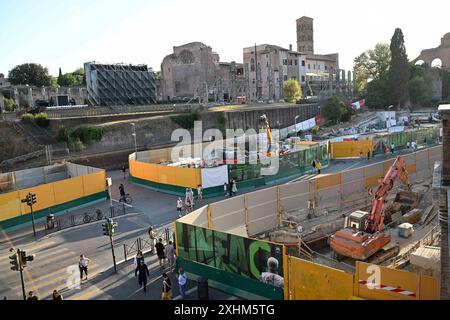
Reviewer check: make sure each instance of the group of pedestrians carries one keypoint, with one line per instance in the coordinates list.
(189, 200)
(230, 188)
(164, 253)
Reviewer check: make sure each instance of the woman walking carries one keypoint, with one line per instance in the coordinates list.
(166, 288)
(142, 273)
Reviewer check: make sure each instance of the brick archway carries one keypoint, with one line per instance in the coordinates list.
(442, 52)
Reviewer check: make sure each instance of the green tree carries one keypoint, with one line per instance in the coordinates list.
(398, 76)
(29, 73)
(371, 64)
(377, 93)
(75, 78)
(10, 104)
(334, 109)
(292, 90)
(420, 88)
(158, 75)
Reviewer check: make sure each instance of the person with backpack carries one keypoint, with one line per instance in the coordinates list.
(161, 253)
(166, 288)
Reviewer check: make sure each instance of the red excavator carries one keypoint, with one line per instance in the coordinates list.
(363, 235)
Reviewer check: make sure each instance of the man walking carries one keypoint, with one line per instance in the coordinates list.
(179, 206)
(124, 170)
(160, 252)
(83, 266)
(170, 255)
(313, 164)
(200, 193)
(182, 280)
(392, 149)
(142, 273)
(122, 191)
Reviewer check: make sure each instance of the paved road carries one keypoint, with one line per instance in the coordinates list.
(56, 252)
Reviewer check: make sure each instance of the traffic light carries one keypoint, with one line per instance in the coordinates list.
(24, 258)
(33, 198)
(14, 262)
(105, 228)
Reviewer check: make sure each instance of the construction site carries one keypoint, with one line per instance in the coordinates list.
(328, 232)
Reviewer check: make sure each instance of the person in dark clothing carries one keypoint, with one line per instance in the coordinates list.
(32, 296)
(122, 191)
(166, 288)
(124, 170)
(56, 295)
(313, 164)
(160, 252)
(142, 273)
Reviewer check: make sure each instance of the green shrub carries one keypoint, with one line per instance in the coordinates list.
(41, 119)
(10, 104)
(76, 145)
(186, 121)
(63, 135)
(315, 130)
(87, 134)
(28, 117)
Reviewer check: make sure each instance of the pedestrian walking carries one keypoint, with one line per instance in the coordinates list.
(83, 266)
(152, 236)
(122, 192)
(360, 154)
(234, 189)
(225, 188)
(124, 170)
(137, 259)
(182, 280)
(166, 288)
(231, 188)
(408, 145)
(160, 252)
(190, 197)
(319, 167)
(313, 164)
(56, 295)
(142, 273)
(188, 206)
(32, 296)
(392, 148)
(170, 255)
(200, 193)
(368, 154)
(179, 206)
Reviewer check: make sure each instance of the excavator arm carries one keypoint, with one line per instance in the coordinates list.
(397, 170)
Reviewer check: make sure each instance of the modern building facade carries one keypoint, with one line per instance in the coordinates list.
(193, 70)
(119, 84)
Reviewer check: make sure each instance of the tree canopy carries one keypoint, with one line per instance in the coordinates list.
(371, 65)
(30, 74)
(292, 90)
(398, 76)
(334, 110)
(71, 79)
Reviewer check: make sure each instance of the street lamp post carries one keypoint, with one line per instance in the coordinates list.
(133, 125)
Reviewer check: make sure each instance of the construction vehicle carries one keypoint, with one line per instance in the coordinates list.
(265, 124)
(363, 235)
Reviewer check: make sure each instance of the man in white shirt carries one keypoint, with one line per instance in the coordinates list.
(83, 266)
(272, 276)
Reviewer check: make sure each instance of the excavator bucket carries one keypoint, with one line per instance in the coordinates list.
(404, 202)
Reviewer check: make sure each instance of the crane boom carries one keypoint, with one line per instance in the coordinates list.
(397, 170)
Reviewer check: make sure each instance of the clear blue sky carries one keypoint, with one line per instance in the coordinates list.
(68, 33)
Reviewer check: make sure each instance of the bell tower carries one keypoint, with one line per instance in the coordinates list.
(305, 35)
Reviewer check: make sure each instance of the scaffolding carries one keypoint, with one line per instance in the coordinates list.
(119, 84)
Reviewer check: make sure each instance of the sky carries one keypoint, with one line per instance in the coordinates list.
(65, 34)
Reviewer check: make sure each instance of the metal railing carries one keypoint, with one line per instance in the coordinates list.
(145, 243)
(71, 220)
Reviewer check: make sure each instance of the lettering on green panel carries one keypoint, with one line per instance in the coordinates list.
(221, 245)
(238, 256)
(204, 246)
(256, 249)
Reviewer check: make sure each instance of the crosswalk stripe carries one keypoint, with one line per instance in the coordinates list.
(86, 294)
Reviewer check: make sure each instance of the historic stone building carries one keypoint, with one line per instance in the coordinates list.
(442, 52)
(193, 70)
(305, 35)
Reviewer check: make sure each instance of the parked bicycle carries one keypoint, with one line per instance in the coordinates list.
(88, 217)
(126, 198)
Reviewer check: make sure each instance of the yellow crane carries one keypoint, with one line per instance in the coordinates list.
(265, 124)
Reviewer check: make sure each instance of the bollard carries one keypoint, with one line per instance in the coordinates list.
(202, 286)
